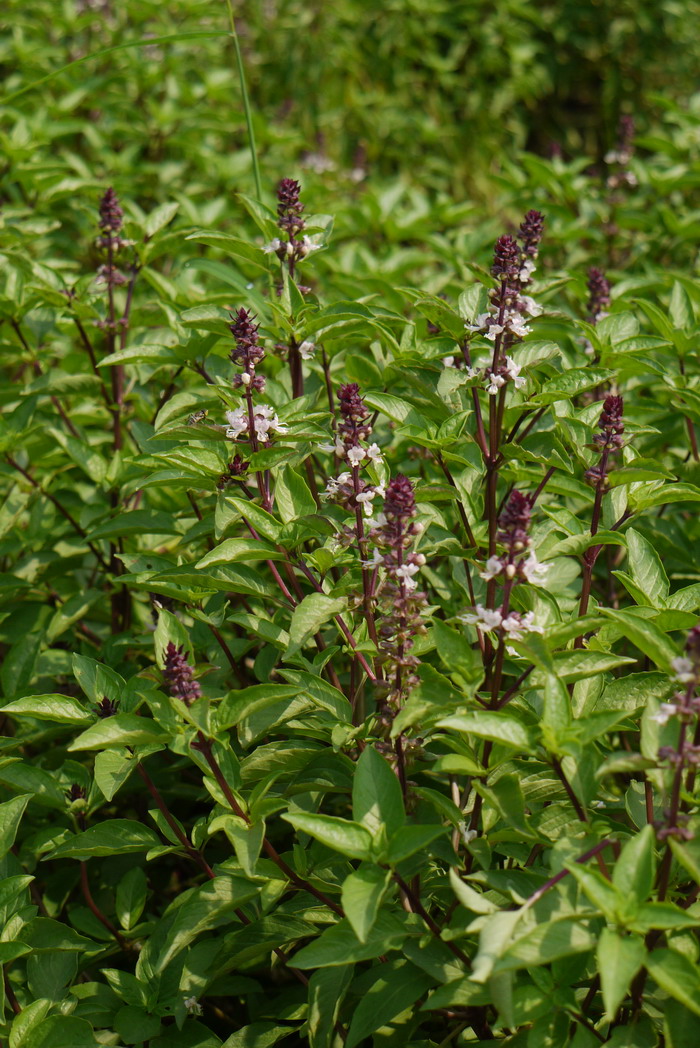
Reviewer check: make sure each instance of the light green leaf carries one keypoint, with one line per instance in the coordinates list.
(61, 709)
(646, 567)
(677, 975)
(131, 897)
(124, 729)
(619, 959)
(349, 838)
(327, 989)
(292, 496)
(11, 813)
(634, 870)
(645, 635)
(111, 837)
(499, 727)
(377, 800)
(310, 615)
(361, 896)
(399, 985)
(202, 909)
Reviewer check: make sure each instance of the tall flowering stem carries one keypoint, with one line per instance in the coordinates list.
(291, 247)
(608, 441)
(255, 423)
(110, 243)
(402, 602)
(504, 324)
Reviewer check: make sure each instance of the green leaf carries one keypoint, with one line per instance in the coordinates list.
(327, 989)
(680, 307)
(111, 837)
(59, 1031)
(124, 729)
(409, 840)
(258, 1035)
(338, 945)
(234, 551)
(292, 496)
(202, 909)
(361, 896)
(11, 813)
(619, 959)
(131, 898)
(634, 870)
(19, 664)
(42, 933)
(160, 217)
(308, 617)
(112, 769)
(61, 709)
(456, 653)
(498, 727)
(349, 838)
(398, 986)
(645, 635)
(246, 838)
(97, 681)
(377, 800)
(646, 567)
(240, 704)
(677, 975)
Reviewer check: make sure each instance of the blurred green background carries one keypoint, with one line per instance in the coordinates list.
(438, 91)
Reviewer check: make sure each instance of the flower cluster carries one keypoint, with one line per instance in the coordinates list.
(110, 240)
(247, 352)
(236, 468)
(618, 158)
(518, 563)
(265, 423)
(401, 600)
(179, 675)
(609, 440)
(292, 248)
(598, 295)
(107, 708)
(514, 625)
(351, 445)
(257, 422)
(506, 319)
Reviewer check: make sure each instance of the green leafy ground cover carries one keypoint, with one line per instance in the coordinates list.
(349, 584)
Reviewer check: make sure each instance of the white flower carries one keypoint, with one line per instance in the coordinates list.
(513, 372)
(356, 455)
(479, 322)
(494, 567)
(531, 307)
(307, 350)
(365, 500)
(406, 572)
(683, 669)
(516, 625)
(374, 453)
(246, 379)
(193, 1006)
(484, 618)
(265, 420)
(526, 270)
(326, 447)
(515, 322)
(473, 372)
(494, 330)
(494, 383)
(334, 483)
(273, 247)
(376, 561)
(666, 710)
(237, 423)
(534, 571)
(467, 835)
(308, 245)
(448, 362)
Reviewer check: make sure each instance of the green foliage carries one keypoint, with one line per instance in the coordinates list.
(285, 757)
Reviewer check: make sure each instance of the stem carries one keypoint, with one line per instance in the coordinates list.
(418, 908)
(9, 992)
(61, 509)
(38, 370)
(246, 101)
(564, 873)
(193, 853)
(362, 546)
(92, 905)
(204, 746)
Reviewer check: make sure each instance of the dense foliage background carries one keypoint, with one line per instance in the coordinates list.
(379, 727)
